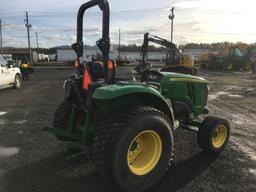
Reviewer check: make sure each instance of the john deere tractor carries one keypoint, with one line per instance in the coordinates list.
(126, 126)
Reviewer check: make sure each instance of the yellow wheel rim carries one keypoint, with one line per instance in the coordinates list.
(219, 136)
(144, 152)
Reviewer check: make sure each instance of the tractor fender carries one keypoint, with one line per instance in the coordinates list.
(111, 97)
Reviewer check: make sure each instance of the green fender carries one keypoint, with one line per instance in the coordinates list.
(110, 97)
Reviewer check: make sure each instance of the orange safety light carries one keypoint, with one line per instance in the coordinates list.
(87, 79)
(110, 65)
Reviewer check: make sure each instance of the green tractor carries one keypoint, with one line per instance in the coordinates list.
(234, 60)
(126, 127)
(251, 57)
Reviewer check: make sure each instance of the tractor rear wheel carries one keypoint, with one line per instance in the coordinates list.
(133, 148)
(62, 117)
(213, 134)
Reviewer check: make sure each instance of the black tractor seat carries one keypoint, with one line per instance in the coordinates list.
(96, 70)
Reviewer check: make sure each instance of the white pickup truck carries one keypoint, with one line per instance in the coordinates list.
(9, 75)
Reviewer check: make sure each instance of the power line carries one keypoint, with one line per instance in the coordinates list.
(189, 32)
(69, 14)
(17, 36)
(216, 33)
(214, 11)
(113, 12)
(43, 14)
(47, 14)
(1, 37)
(11, 12)
(126, 33)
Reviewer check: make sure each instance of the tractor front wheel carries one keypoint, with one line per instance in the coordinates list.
(133, 148)
(213, 134)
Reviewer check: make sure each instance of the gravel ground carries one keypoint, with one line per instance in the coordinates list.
(34, 161)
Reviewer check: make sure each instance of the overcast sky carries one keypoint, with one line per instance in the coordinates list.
(197, 21)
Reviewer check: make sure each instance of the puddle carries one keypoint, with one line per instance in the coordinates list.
(8, 151)
(2, 122)
(250, 89)
(233, 87)
(217, 94)
(2, 113)
(235, 96)
(21, 122)
(252, 171)
(245, 149)
(243, 122)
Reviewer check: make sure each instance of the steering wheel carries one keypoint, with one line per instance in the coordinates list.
(142, 68)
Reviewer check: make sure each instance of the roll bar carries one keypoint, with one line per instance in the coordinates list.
(104, 42)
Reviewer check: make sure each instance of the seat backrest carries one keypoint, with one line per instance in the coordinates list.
(96, 70)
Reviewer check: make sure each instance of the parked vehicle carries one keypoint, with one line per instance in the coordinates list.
(9, 75)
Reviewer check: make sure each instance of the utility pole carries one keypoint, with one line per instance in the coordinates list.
(37, 44)
(119, 43)
(171, 17)
(28, 26)
(1, 37)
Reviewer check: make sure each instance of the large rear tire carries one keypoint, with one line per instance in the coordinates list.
(213, 134)
(133, 148)
(62, 117)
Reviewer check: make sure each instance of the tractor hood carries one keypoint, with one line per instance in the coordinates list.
(179, 77)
